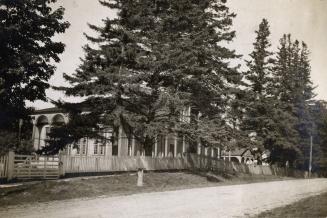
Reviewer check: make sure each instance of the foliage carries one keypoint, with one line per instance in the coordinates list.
(257, 120)
(162, 67)
(279, 92)
(10, 140)
(153, 62)
(27, 52)
(295, 91)
(81, 124)
(265, 120)
(318, 114)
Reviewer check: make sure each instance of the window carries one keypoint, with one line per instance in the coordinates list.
(107, 134)
(81, 149)
(185, 114)
(99, 146)
(96, 146)
(102, 146)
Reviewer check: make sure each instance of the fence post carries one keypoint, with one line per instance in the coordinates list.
(10, 165)
(62, 164)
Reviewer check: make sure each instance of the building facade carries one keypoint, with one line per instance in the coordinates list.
(123, 144)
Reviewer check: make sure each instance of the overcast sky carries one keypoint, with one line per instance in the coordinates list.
(306, 20)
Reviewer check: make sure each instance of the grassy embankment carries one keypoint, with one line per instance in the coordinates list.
(312, 207)
(124, 184)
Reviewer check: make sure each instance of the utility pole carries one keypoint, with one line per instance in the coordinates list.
(310, 162)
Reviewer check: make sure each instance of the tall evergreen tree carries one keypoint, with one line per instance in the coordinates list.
(304, 94)
(117, 77)
(197, 64)
(294, 90)
(266, 119)
(259, 73)
(258, 110)
(27, 53)
(156, 59)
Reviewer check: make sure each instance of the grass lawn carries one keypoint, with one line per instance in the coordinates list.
(123, 184)
(312, 207)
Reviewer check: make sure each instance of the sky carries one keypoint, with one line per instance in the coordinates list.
(306, 20)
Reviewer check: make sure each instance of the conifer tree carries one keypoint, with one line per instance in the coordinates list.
(295, 91)
(267, 121)
(197, 64)
(257, 117)
(260, 63)
(304, 94)
(156, 59)
(117, 77)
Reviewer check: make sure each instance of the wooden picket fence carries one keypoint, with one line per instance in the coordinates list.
(51, 167)
(15, 166)
(89, 164)
(96, 164)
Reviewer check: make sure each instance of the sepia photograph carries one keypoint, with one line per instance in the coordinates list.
(163, 108)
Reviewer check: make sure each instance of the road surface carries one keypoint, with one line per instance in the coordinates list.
(222, 201)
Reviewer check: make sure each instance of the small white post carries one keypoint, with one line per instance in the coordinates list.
(140, 177)
(62, 164)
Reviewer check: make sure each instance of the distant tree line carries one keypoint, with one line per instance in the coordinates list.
(158, 57)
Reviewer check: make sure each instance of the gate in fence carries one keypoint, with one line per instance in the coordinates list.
(29, 167)
(33, 166)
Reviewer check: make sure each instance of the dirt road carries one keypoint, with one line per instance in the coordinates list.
(223, 201)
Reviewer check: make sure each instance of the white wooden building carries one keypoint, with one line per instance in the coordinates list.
(124, 145)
